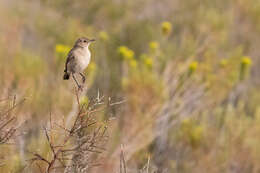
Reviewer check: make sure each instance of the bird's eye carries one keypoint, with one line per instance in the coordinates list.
(85, 41)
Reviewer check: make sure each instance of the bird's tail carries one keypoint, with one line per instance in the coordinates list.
(66, 76)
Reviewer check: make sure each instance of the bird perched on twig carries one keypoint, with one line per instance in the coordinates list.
(78, 59)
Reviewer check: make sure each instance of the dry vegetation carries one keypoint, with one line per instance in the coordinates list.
(173, 86)
(74, 144)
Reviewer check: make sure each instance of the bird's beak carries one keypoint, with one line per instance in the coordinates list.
(92, 40)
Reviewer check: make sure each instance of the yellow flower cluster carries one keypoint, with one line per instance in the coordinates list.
(166, 28)
(153, 45)
(246, 61)
(61, 52)
(126, 53)
(62, 49)
(148, 61)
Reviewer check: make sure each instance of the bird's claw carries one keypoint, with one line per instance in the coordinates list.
(80, 88)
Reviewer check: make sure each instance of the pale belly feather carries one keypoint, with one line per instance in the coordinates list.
(80, 62)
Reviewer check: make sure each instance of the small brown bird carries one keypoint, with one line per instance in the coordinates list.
(78, 60)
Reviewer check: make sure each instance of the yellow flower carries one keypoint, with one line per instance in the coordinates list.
(84, 101)
(193, 66)
(63, 49)
(61, 52)
(244, 67)
(129, 54)
(103, 36)
(192, 132)
(153, 45)
(126, 53)
(148, 62)
(122, 49)
(246, 61)
(166, 28)
(196, 135)
(223, 62)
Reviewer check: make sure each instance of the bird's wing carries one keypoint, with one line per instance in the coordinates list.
(69, 58)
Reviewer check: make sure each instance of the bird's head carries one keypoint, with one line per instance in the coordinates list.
(84, 42)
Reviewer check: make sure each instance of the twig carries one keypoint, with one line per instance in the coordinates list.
(85, 142)
(122, 161)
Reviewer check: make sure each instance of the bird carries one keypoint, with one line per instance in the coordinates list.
(78, 59)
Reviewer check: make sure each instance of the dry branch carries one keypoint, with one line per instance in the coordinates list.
(75, 151)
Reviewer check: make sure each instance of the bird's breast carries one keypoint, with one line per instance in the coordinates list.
(84, 60)
(80, 61)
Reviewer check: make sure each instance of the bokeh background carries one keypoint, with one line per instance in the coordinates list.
(187, 72)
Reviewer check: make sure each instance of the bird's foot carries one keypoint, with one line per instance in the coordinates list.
(80, 88)
(83, 78)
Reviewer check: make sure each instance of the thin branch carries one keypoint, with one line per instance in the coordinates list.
(13, 107)
(39, 167)
(39, 157)
(122, 161)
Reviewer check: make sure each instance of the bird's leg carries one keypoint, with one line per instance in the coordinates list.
(83, 77)
(76, 81)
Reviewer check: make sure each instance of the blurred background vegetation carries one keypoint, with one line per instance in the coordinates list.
(188, 70)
